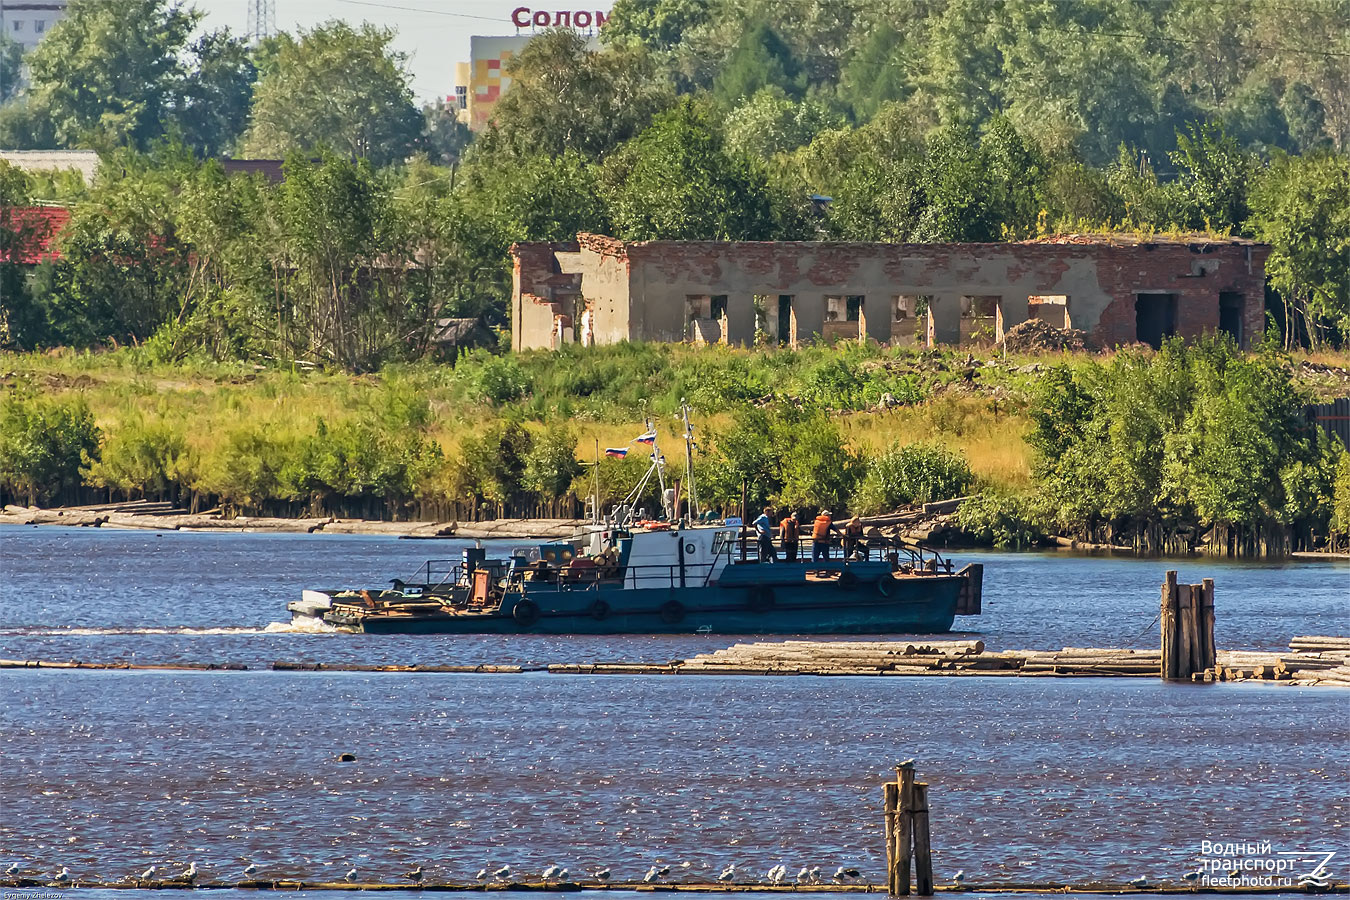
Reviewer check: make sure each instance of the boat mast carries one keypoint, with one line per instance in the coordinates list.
(690, 490)
(660, 474)
(595, 498)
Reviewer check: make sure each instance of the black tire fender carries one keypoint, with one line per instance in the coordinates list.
(886, 585)
(761, 599)
(848, 580)
(672, 612)
(599, 610)
(525, 612)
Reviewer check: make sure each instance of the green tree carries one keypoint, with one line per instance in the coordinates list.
(771, 122)
(1301, 207)
(675, 181)
(11, 68)
(127, 72)
(333, 226)
(911, 473)
(565, 97)
(336, 88)
(759, 60)
(45, 442)
(551, 465)
(877, 73)
(654, 24)
(1213, 178)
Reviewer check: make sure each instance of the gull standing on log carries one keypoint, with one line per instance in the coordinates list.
(351, 874)
(728, 873)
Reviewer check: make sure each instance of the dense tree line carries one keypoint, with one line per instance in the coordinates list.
(945, 121)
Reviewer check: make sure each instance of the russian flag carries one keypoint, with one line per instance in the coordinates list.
(619, 452)
(648, 438)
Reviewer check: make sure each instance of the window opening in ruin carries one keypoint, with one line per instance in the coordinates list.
(1155, 318)
(979, 319)
(784, 318)
(1230, 314)
(718, 306)
(1052, 309)
(853, 307)
(836, 308)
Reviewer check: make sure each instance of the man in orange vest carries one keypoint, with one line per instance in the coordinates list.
(788, 531)
(820, 536)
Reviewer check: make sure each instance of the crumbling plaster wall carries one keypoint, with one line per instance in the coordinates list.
(638, 290)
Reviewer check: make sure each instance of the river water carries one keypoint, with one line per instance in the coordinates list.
(107, 772)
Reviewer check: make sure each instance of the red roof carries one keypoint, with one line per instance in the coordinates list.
(37, 227)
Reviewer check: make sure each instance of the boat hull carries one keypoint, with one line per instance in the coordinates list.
(913, 605)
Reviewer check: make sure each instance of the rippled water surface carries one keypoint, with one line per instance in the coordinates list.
(160, 597)
(108, 772)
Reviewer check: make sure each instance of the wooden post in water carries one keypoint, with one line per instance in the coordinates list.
(1211, 656)
(901, 831)
(923, 849)
(1168, 618)
(1187, 624)
(891, 793)
(1186, 631)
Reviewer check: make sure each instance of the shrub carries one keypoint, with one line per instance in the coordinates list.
(1004, 520)
(912, 473)
(551, 464)
(140, 458)
(44, 443)
(500, 379)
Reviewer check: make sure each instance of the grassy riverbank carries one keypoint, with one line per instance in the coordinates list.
(505, 435)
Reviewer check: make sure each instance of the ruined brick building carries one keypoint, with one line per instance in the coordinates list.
(599, 290)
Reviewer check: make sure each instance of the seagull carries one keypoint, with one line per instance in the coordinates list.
(959, 877)
(251, 869)
(841, 873)
(415, 874)
(149, 873)
(1191, 876)
(815, 874)
(191, 874)
(663, 871)
(551, 872)
(803, 874)
(502, 872)
(351, 874)
(728, 873)
(1137, 882)
(562, 876)
(602, 875)
(481, 876)
(63, 876)
(13, 869)
(778, 874)
(650, 876)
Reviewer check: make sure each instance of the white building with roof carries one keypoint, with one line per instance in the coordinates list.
(27, 21)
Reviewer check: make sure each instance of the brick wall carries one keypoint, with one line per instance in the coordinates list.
(1101, 278)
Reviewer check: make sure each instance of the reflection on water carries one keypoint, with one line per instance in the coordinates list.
(108, 772)
(1032, 780)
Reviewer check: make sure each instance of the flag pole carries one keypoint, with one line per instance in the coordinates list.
(595, 500)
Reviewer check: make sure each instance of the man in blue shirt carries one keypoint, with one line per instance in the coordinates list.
(764, 532)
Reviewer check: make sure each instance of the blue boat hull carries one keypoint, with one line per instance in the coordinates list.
(858, 603)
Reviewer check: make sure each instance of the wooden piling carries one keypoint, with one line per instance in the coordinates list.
(904, 839)
(1186, 631)
(923, 850)
(891, 793)
(1211, 656)
(1168, 618)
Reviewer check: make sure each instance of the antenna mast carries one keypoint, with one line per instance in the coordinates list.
(262, 20)
(689, 446)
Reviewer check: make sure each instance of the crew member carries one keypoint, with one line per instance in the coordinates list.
(788, 531)
(820, 536)
(853, 533)
(764, 532)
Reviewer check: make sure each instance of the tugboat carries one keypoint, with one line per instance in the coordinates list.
(625, 576)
